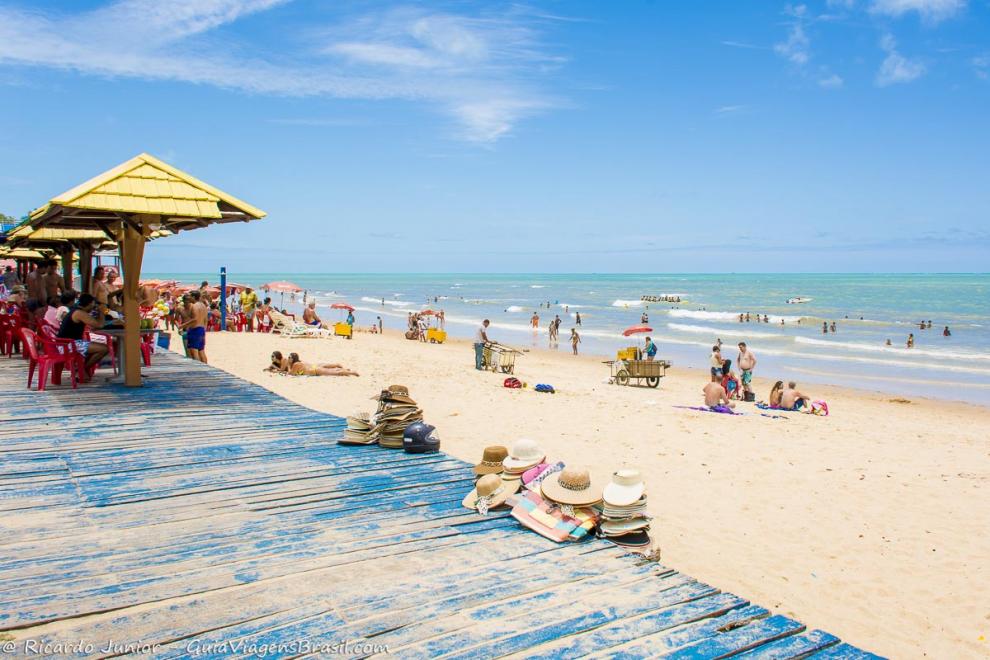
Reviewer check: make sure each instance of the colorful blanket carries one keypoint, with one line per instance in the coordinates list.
(547, 519)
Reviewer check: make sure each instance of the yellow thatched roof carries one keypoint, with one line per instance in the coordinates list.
(145, 184)
(55, 234)
(21, 253)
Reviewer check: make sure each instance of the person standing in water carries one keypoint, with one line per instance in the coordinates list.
(577, 317)
(535, 321)
(910, 340)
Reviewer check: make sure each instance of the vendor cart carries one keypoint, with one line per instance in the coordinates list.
(624, 371)
(499, 357)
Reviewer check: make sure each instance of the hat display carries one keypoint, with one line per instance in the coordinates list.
(490, 492)
(419, 438)
(396, 412)
(491, 460)
(524, 454)
(619, 527)
(626, 488)
(572, 485)
(638, 539)
(358, 431)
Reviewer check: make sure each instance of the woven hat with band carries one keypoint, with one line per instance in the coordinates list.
(625, 488)
(490, 492)
(491, 460)
(524, 454)
(572, 485)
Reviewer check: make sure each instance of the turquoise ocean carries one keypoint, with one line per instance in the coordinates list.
(867, 310)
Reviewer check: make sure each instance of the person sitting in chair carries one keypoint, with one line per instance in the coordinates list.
(74, 327)
(311, 318)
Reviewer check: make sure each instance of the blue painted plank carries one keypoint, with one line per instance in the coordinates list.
(795, 646)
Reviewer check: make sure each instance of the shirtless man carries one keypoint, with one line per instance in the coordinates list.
(36, 289)
(54, 282)
(794, 399)
(310, 317)
(98, 287)
(196, 328)
(715, 396)
(746, 361)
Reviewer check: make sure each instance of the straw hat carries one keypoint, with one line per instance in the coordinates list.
(491, 460)
(524, 455)
(572, 485)
(398, 393)
(625, 488)
(489, 493)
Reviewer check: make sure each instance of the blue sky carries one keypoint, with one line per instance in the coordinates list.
(847, 135)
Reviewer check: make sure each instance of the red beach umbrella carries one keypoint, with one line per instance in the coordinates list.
(342, 306)
(427, 312)
(636, 329)
(282, 287)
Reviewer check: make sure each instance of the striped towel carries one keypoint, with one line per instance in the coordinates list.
(547, 519)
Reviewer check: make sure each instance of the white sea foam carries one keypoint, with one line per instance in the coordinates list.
(705, 315)
(627, 303)
(398, 303)
(741, 331)
(537, 286)
(892, 350)
(515, 308)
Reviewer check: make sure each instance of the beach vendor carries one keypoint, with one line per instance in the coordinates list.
(350, 318)
(650, 349)
(747, 362)
(249, 301)
(480, 339)
(74, 326)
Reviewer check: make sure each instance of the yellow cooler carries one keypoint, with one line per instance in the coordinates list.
(343, 330)
(436, 335)
(627, 353)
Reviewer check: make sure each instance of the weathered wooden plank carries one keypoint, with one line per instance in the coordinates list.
(795, 646)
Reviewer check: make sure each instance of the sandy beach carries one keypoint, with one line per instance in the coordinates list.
(870, 523)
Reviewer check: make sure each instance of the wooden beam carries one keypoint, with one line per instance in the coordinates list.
(67, 265)
(85, 267)
(132, 253)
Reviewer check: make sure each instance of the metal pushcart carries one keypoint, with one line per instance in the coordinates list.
(623, 371)
(499, 357)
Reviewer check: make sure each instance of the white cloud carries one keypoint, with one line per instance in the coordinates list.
(833, 81)
(796, 47)
(931, 11)
(895, 67)
(480, 70)
(729, 109)
(981, 66)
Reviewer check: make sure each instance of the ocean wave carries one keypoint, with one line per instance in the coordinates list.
(892, 350)
(724, 316)
(398, 303)
(537, 286)
(628, 303)
(515, 308)
(741, 331)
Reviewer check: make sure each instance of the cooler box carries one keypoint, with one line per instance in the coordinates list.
(436, 335)
(164, 340)
(626, 353)
(342, 330)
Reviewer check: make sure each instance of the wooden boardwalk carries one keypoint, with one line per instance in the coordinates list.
(203, 516)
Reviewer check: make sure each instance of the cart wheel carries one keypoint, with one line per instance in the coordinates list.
(433, 341)
(653, 381)
(622, 377)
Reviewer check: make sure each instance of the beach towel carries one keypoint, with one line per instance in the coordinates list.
(724, 410)
(542, 387)
(548, 520)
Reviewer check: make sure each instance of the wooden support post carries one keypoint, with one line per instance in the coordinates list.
(85, 268)
(67, 265)
(131, 253)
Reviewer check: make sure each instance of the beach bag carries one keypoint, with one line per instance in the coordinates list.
(548, 520)
(819, 408)
(541, 387)
(512, 382)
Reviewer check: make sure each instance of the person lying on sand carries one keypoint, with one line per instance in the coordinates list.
(300, 368)
(279, 363)
(715, 397)
(793, 399)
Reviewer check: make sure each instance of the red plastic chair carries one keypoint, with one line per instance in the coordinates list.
(147, 348)
(58, 354)
(8, 330)
(87, 334)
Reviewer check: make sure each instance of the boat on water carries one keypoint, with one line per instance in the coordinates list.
(797, 300)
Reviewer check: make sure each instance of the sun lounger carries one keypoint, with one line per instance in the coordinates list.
(283, 325)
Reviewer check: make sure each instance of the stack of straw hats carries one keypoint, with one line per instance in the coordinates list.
(572, 486)
(358, 431)
(524, 455)
(396, 411)
(624, 518)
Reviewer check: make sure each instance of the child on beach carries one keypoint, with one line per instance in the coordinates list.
(716, 362)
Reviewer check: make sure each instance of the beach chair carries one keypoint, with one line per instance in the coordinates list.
(57, 355)
(287, 327)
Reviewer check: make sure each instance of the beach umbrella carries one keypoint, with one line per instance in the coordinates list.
(636, 329)
(342, 306)
(427, 312)
(282, 288)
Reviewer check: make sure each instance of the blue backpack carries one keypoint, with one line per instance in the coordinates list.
(544, 388)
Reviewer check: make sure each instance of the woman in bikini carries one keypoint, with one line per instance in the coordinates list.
(299, 368)
(776, 393)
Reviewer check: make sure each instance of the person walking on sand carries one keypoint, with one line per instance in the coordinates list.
(552, 328)
(716, 364)
(196, 328)
(249, 301)
(381, 327)
(747, 362)
(480, 339)
(535, 321)
(575, 340)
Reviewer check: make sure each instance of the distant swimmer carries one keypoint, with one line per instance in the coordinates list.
(766, 319)
(740, 318)
(747, 317)
(824, 327)
(888, 343)
(833, 326)
(910, 340)
(921, 325)
(929, 324)
(946, 332)
(577, 317)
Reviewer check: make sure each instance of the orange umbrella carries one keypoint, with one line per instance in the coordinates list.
(636, 329)
(427, 312)
(282, 287)
(342, 306)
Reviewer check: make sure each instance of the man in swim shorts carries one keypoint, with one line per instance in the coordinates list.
(793, 399)
(746, 361)
(196, 328)
(716, 397)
